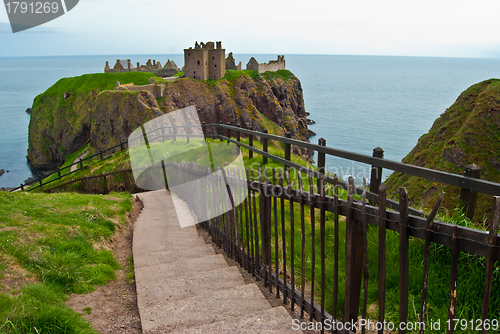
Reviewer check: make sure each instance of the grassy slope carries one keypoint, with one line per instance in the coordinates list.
(468, 132)
(471, 267)
(56, 243)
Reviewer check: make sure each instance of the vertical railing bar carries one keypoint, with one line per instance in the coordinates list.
(403, 258)
(455, 253)
(490, 260)
(335, 248)
(250, 231)
(256, 230)
(382, 235)
(302, 246)
(248, 214)
(321, 191)
(240, 200)
(292, 243)
(283, 234)
(276, 241)
(313, 246)
(429, 227)
(365, 247)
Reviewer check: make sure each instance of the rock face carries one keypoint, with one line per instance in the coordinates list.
(467, 132)
(109, 116)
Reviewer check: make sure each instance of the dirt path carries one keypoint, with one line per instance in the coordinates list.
(113, 308)
(75, 167)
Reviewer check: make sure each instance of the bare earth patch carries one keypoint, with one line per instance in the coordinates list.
(113, 308)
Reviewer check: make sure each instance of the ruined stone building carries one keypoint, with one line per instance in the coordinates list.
(273, 65)
(205, 61)
(125, 65)
(231, 64)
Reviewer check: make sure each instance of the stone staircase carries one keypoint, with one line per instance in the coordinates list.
(184, 287)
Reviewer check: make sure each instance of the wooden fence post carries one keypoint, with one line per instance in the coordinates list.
(22, 187)
(81, 162)
(59, 173)
(354, 260)
(121, 146)
(264, 147)
(220, 130)
(174, 128)
(321, 161)
(376, 176)
(250, 143)
(238, 136)
(40, 180)
(204, 129)
(288, 149)
(468, 197)
(228, 132)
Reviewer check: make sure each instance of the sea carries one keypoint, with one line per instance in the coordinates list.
(358, 102)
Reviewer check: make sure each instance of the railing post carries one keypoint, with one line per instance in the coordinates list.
(174, 128)
(100, 155)
(321, 161)
(288, 149)
(264, 147)
(59, 173)
(220, 130)
(40, 181)
(468, 197)
(22, 187)
(228, 132)
(81, 162)
(354, 259)
(250, 143)
(204, 129)
(121, 146)
(238, 136)
(376, 176)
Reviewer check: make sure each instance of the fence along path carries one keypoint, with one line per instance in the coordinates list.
(184, 287)
(259, 228)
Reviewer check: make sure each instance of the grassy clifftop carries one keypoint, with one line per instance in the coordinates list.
(467, 132)
(76, 110)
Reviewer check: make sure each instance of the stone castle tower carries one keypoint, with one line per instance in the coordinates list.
(205, 61)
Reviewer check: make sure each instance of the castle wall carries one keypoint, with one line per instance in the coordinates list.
(217, 60)
(196, 63)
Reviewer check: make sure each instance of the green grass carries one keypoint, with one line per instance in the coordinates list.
(57, 243)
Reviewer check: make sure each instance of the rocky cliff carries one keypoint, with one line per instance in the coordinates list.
(467, 132)
(64, 118)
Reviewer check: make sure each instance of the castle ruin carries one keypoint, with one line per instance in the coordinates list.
(125, 65)
(204, 61)
(273, 65)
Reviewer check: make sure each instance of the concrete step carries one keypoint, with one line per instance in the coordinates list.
(142, 243)
(179, 268)
(207, 309)
(271, 321)
(144, 259)
(199, 284)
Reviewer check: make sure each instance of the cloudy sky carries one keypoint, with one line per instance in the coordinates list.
(444, 28)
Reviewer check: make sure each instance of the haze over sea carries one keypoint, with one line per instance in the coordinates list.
(358, 102)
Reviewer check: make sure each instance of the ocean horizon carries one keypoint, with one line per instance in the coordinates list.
(358, 102)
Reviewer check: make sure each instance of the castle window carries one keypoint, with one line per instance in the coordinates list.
(189, 54)
(198, 62)
(215, 65)
(213, 57)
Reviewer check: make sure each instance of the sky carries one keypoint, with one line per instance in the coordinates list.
(436, 28)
